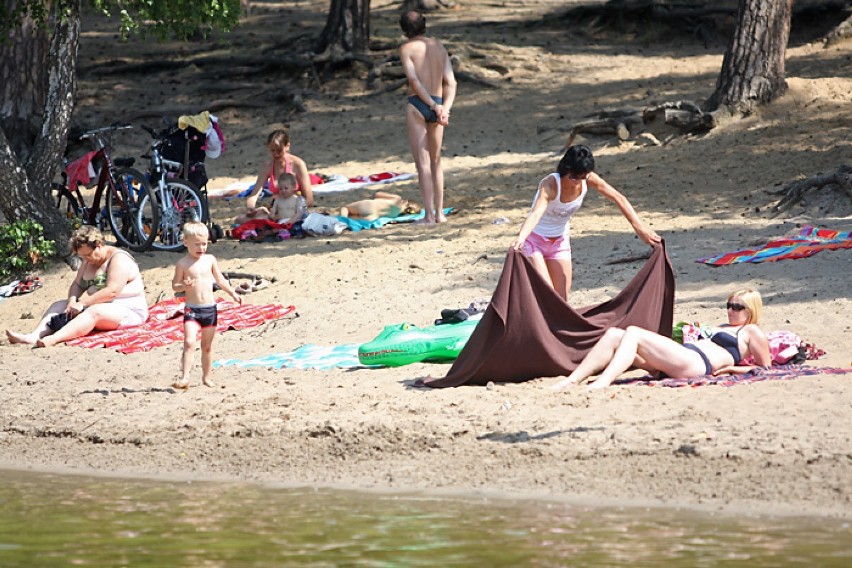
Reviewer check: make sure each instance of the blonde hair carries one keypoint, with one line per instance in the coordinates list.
(410, 207)
(752, 300)
(195, 229)
(87, 235)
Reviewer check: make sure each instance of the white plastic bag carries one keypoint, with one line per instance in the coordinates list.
(319, 225)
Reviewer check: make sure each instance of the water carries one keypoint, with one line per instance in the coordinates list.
(50, 520)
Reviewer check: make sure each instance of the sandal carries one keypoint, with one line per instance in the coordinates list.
(244, 288)
(259, 284)
(27, 285)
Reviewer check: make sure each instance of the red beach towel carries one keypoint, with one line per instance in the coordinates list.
(165, 325)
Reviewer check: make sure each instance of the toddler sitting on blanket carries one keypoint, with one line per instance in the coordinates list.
(383, 205)
(287, 207)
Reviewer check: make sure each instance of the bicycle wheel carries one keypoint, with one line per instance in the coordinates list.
(183, 203)
(131, 213)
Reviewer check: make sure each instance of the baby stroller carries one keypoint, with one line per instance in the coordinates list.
(191, 140)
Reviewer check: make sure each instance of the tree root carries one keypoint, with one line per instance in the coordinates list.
(685, 116)
(795, 192)
(841, 31)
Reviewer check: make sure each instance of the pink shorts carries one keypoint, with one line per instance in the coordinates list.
(558, 248)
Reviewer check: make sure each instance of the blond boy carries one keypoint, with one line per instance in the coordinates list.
(195, 274)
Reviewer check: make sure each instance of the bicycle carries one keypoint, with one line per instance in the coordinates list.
(128, 207)
(177, 200)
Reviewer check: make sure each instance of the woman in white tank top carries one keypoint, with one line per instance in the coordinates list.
(545, 234)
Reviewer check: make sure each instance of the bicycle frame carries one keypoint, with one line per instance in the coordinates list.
(124, 190)
(106, 177)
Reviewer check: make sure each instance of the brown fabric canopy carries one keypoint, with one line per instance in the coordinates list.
(529, 331)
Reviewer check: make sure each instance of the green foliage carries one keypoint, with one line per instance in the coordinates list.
(13, 13)
(22, 248)
(184, 19)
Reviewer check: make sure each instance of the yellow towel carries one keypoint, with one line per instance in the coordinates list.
(200, 121)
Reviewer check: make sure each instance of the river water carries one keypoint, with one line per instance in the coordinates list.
(57, 520)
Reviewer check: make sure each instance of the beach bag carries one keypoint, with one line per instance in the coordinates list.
(319, 225)
(187, 147)
(785, 347)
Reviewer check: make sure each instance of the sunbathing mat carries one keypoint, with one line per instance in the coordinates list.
(776, 373)
(356, 225)
(331, 183)
(165, 325)
(807, 243)
(305, 357)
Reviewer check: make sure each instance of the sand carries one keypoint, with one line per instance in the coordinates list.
(774, 447)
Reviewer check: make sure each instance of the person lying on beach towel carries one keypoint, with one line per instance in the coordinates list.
(721, 353)
(356, 225)
(383, 205)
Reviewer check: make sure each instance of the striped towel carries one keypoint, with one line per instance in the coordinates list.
(165, 325)
(305, 357)
(776, 373)
(807, 243)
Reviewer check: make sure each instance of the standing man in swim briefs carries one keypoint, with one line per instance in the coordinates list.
(431, 91)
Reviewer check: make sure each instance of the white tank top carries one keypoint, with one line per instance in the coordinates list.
(556, 220)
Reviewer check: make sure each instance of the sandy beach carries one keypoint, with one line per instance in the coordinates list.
(775, 446)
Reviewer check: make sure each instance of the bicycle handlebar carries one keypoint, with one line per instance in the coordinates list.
(113, 127)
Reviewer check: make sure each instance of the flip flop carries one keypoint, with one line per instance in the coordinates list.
(26, 286)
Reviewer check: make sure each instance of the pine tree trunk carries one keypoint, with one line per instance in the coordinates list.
(347, 29)
(753, 68)
(36, 106)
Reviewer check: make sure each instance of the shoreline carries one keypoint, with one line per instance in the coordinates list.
(710, 508)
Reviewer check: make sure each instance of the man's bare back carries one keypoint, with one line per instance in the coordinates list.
(431, 93)
(428, 58)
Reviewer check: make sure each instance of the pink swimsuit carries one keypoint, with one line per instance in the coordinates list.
(288, 168)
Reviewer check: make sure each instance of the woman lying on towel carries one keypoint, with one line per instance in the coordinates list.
(620, 349)
(107, 293)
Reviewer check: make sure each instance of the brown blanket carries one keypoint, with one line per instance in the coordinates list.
(528, 331)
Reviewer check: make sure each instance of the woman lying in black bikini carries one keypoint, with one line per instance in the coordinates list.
(620, 349)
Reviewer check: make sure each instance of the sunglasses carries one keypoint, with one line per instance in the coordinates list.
(736, 307)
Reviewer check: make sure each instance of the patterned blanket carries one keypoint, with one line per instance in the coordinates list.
(807, 243)
(165, 325)
(776, 373)
(305, 357)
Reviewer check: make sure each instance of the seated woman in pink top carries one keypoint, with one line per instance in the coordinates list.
(282, 161)
(544, 236)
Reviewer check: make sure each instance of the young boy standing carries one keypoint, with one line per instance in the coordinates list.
(195, 274)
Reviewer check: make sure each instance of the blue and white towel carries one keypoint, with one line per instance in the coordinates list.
(309, 356)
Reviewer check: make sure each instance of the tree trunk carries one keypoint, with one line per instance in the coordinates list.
(347, 29)
(37, 84)
(753, 68)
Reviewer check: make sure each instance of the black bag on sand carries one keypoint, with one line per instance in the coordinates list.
(58, 321)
